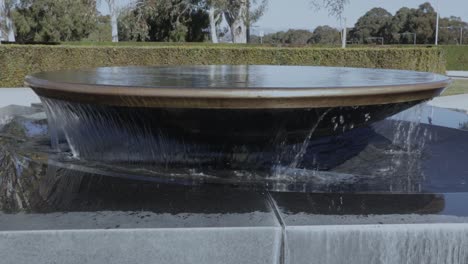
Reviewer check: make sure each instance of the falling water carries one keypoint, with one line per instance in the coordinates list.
(95, 133)
(409, 139)
(303, 148)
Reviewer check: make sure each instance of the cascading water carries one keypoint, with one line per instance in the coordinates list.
(410, 138)
(303, 147)
(91, 132)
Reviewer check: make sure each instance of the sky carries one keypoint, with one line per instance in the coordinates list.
(300, 14)
(282, 14)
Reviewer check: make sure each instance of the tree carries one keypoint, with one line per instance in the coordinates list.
(215, 15)
(54, 20)
(450, 30)
(103, 30)
(7, 30)
(422, 23)
(325, 35)
(406, 24)
(164, 20)
(290, 37)
(114, 15)
(3, 30)
(297, 37)
(374, 23)
(236, 16)
(399, 26)
(240, 16)
(335, 7)
(132, 26)
(418, 21)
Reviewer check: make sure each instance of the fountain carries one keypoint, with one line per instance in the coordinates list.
(336, 177)
(223, 116)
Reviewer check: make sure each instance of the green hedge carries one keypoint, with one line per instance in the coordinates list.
(16, 61)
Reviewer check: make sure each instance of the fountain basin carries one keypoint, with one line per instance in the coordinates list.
(218, 113)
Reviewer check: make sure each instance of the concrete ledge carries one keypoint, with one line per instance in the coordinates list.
(458, 74)
(456, 102)
(119, 246)
(420, 243)
(17, 96)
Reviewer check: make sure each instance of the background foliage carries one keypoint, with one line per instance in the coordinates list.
(54, 20)
(16, 61)
(399, 28)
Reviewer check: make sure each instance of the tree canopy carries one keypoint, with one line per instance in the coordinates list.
(374, 23)
(164, 20)
(405, 24)
(54, 20)
(201, 20)
(323, 35)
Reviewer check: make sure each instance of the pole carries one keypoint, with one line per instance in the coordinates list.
(461, 35)
(343, 35)
(414, 38)
(437, 24)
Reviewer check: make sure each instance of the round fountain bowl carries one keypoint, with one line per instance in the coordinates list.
(218, 113)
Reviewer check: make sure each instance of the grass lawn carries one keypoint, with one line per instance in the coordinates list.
(458, 86)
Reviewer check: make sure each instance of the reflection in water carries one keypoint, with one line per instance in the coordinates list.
(240, 76)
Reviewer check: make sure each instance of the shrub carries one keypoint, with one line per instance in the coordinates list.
(16, 61)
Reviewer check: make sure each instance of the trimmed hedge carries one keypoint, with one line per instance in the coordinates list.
(16, 61)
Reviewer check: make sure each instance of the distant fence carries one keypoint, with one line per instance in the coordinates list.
(16, 61)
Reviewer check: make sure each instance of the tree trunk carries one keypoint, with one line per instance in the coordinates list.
(115, 32)
(113, 15)
(2, 19)
(10, 29)
(239, 31)
(213, 20)
(344, 32)
(7, 31)
(238, 25)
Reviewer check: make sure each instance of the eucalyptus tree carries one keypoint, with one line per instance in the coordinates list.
(215, 15)
(113, 12)
(241, 14)
(2, 19)
(335, 7)
(236, 15)
(7, 31)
